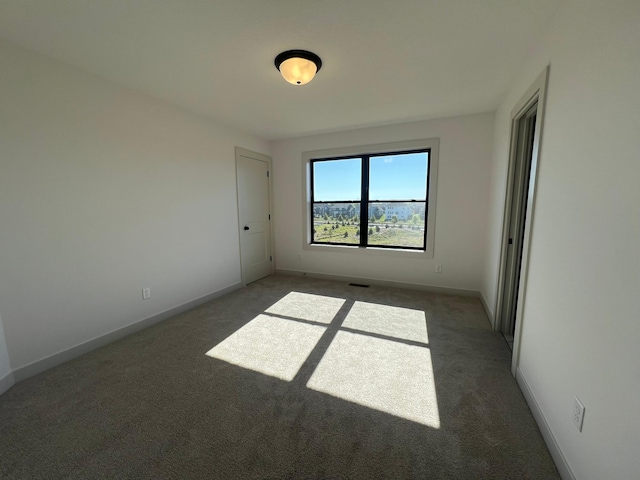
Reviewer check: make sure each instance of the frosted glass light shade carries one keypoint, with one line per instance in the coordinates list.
(298, 71)
(298, 67)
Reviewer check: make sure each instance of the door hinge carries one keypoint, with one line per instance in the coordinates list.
(270, 258)
(267, 173)
(269, 216)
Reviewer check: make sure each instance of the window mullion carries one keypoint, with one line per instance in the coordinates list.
(364, 204)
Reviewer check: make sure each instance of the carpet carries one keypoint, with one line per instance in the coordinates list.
(287, 378)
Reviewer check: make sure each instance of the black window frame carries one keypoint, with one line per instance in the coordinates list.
(364, 201)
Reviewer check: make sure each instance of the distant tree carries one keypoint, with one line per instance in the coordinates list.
(346, 234)
(372, 219)
(394, 219)
(325, 229)
(357, 233)
(326, 217)
(377, 228)
(415, 219)
(371, 231)
(386, 226)
(401, 225)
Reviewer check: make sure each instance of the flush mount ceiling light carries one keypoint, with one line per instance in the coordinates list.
(298, 67)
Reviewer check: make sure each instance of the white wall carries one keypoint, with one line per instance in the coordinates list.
(463, 189)
(580, 327)
(104, 191)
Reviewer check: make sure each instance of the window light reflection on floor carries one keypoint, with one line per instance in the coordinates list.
(371, 361)
(396, 322)
(389, 376)
(306, 306)
(269, 345)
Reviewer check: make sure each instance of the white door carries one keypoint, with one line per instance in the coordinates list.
(252, 174)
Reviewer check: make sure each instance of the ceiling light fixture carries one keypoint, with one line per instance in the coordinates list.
(298, 67)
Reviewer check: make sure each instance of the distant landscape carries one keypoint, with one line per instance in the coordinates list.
(386, 232)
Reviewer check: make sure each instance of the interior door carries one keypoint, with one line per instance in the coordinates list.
(517, 218)
(254, 217)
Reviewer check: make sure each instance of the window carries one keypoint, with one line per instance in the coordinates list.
(377, 199)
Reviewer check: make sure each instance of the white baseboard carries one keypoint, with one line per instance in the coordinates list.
(382, 283)
(56, 359)
(556, 452)
(6, 382)
(487, 310)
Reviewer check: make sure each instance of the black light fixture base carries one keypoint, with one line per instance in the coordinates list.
(312, 57)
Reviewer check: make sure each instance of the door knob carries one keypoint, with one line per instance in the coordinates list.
(246, 228)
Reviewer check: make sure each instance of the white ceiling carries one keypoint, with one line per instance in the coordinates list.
(383, 61)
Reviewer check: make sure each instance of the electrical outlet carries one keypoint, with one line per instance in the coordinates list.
(438, 268)
(146, 293)
(578, 413)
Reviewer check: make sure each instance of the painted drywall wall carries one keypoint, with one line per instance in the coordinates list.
(463, 189)
(580, 326)
(104, 191)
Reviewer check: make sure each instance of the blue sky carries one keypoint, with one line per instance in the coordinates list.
(391, 177)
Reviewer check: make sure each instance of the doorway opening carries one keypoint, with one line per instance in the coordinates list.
(526, 129)
(517, 216)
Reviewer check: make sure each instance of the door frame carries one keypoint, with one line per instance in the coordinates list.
(517, 216)
(536, 93)
(242, 152)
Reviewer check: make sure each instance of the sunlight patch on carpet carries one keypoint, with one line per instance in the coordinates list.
(269, 345)
(306, 306)
(396, 322)
(389, 376)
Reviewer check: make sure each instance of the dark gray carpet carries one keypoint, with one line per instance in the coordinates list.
(155, 405)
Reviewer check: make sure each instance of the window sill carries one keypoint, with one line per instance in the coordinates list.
(356, 250)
